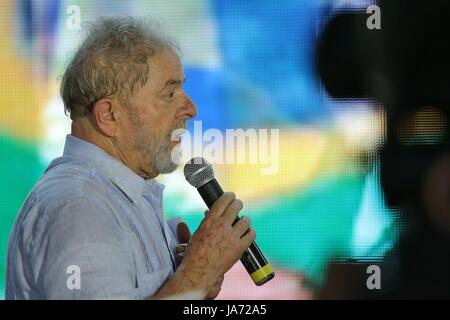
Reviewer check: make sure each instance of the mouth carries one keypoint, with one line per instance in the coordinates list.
(177, 133)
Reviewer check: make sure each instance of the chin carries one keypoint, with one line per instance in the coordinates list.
(168, 167)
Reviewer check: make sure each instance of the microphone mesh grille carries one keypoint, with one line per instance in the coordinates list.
(198, 171)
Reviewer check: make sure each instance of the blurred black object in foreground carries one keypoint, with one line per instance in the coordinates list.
(405, 66)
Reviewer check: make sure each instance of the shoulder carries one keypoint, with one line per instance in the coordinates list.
(67, 179)
(70, 202)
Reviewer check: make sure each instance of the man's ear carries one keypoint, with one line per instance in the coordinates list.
(105, 117)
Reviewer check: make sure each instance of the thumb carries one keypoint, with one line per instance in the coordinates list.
(183, 232)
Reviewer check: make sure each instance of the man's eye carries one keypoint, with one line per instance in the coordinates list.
(171, 94)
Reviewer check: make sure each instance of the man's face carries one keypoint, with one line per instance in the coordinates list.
(158, 108)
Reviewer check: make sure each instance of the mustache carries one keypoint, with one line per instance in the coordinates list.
(181, 125)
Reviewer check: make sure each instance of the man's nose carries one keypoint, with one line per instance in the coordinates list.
(189, 108)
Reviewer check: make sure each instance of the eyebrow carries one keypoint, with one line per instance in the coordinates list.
(172, 82)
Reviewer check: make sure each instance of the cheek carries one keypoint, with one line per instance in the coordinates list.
(159, 119)
(162, 110)
(148, 120)
(129, 130)
(165, 122)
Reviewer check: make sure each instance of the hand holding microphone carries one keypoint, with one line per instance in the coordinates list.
(224, 209)
(184, 236)
(217, 244)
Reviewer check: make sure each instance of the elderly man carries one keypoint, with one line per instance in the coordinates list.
(93, 226)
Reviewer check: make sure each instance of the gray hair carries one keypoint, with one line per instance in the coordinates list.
(111, 62)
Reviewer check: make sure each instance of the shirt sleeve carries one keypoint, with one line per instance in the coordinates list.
(83, 254)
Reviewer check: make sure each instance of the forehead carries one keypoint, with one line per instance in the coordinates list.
(165, 65)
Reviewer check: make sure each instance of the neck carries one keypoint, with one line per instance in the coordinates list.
(83, 129)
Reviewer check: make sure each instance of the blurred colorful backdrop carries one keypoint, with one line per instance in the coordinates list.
(248, 64)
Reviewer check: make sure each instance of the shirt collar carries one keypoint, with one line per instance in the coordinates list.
(131, 184)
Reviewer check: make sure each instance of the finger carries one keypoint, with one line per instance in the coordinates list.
(242, 226)
(248, 237)
(181, 248)
(213, 293)
(221, 204)
(183, 232)
(215, 290)
(232, 211)
(219, 281)
(179, 258)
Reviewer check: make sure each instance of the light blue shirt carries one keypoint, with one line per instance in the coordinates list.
(91, 228)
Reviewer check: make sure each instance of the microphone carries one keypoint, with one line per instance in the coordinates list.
(199, 173)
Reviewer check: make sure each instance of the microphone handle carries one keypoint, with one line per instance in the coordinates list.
(253, 259)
